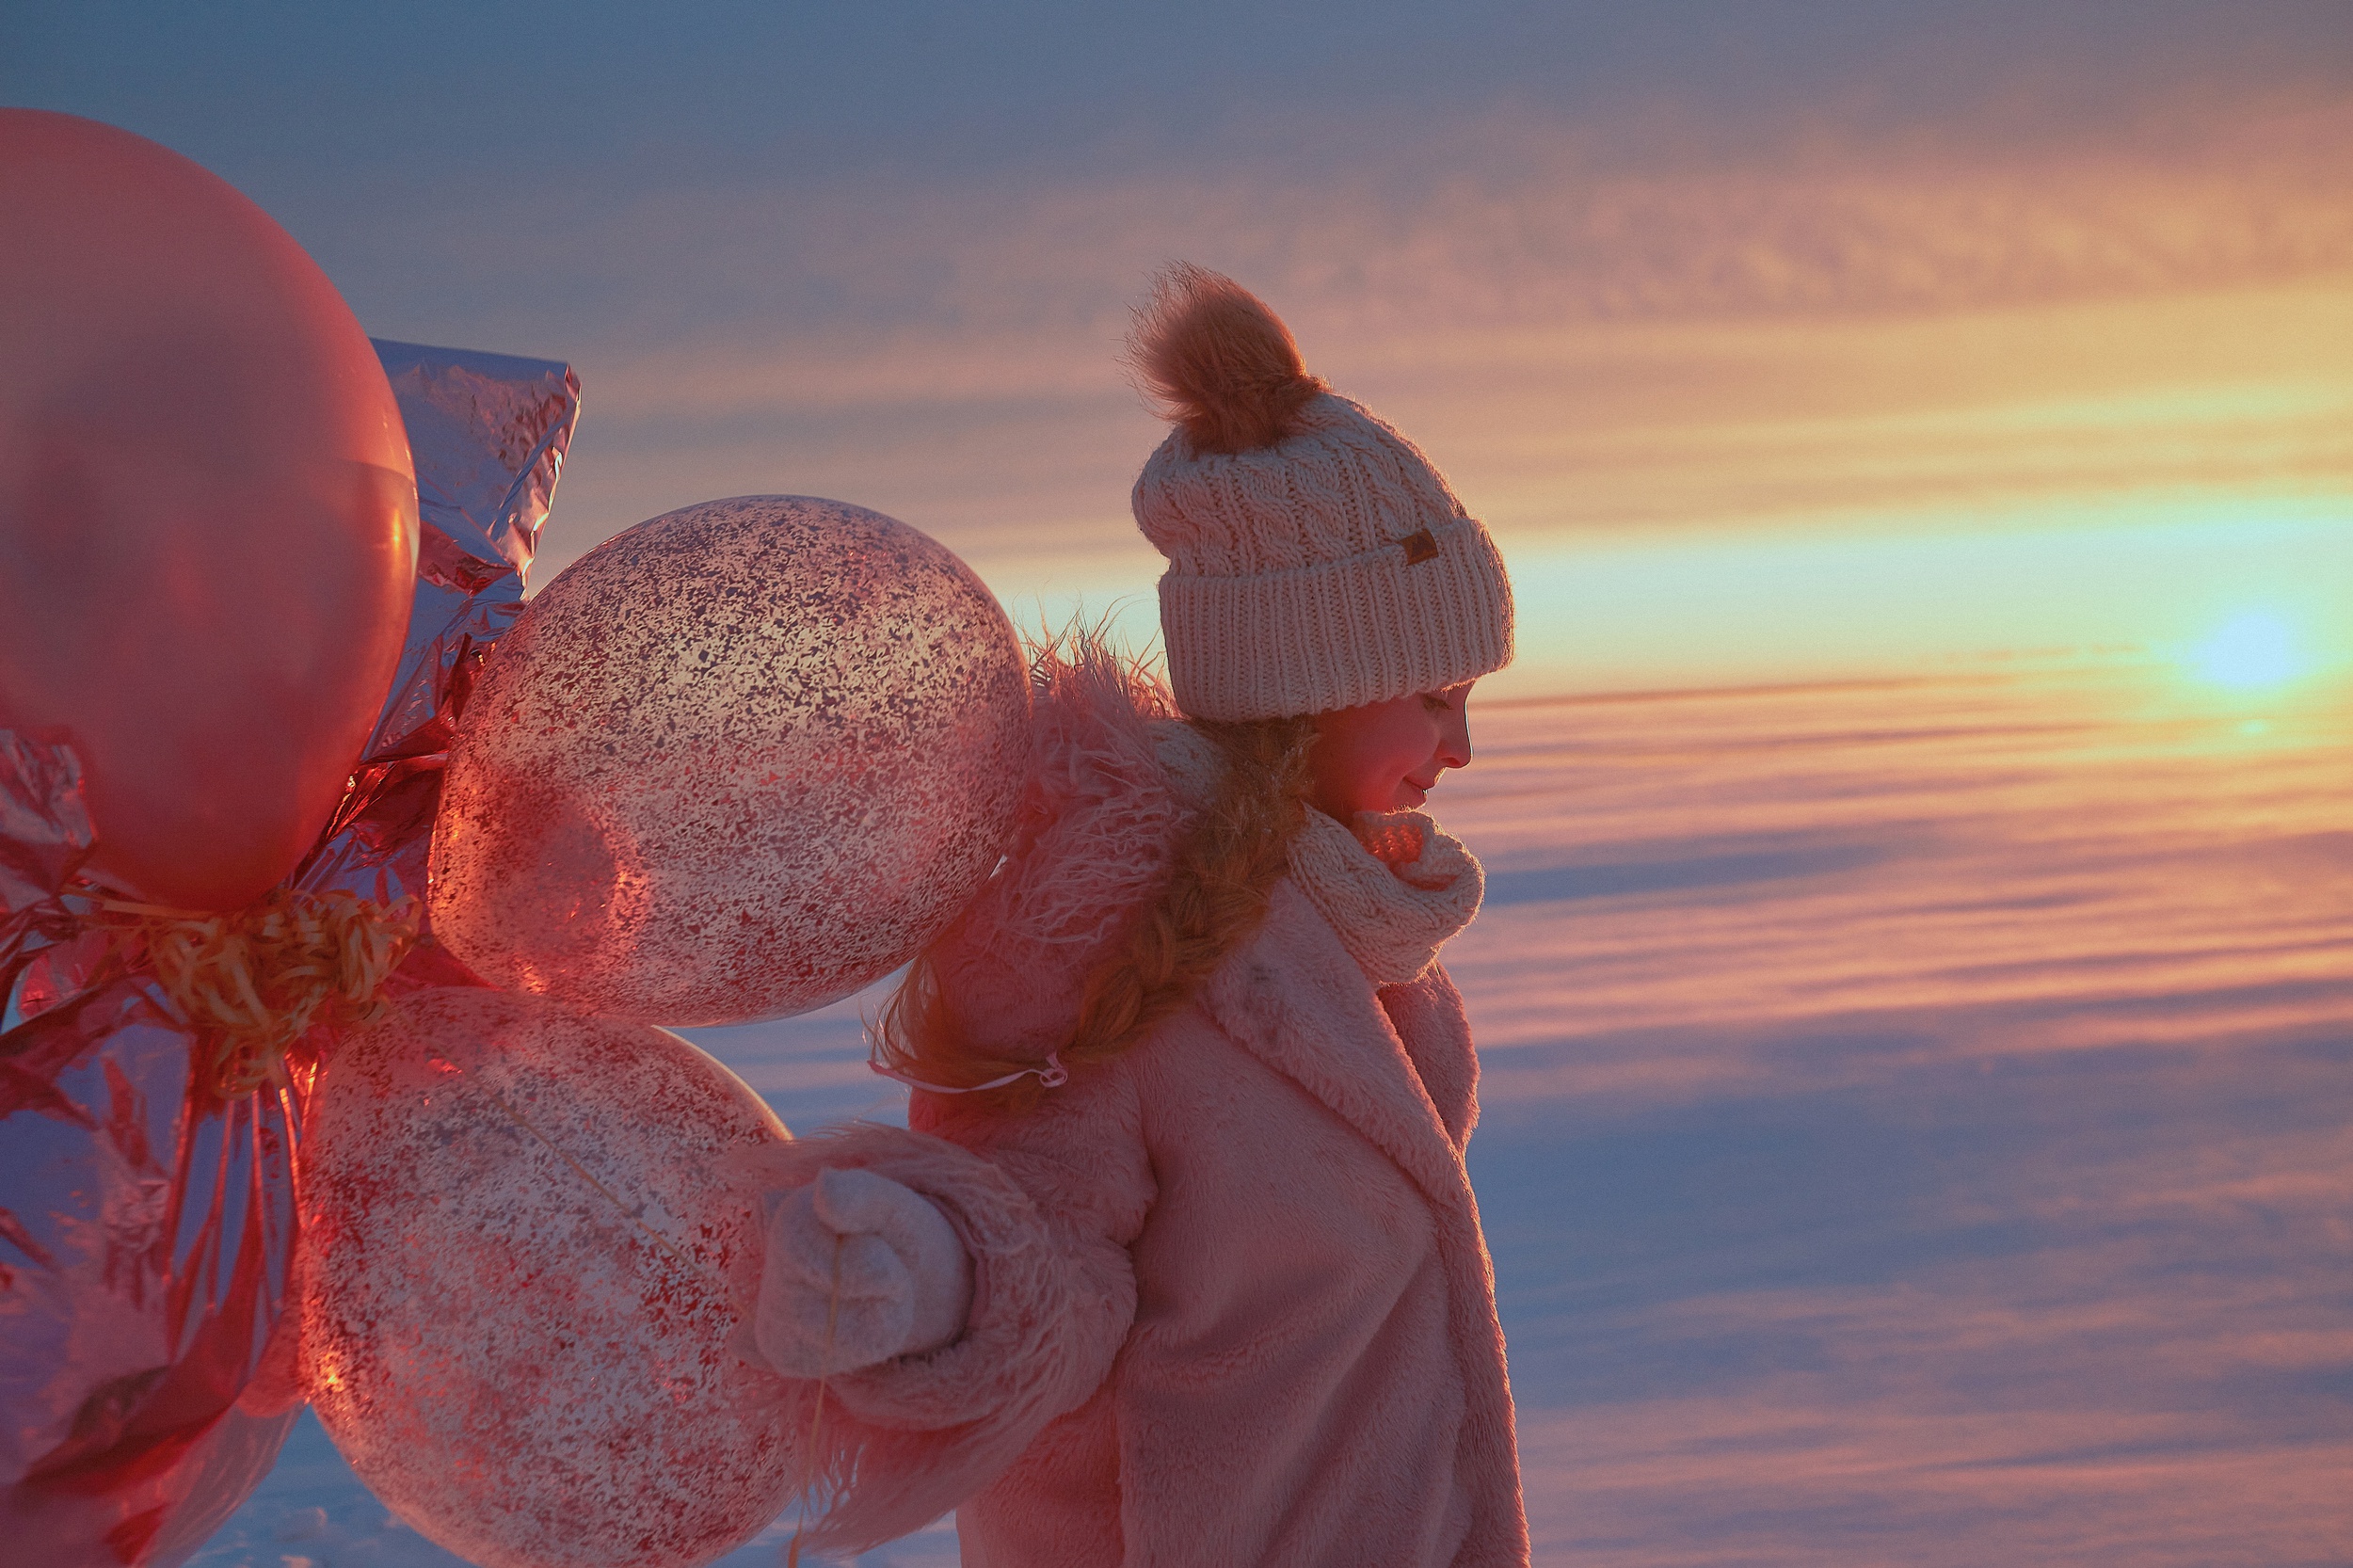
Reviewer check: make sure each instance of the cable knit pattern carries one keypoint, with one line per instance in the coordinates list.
(1394, 890)
(1331, 569)
(1343, 484)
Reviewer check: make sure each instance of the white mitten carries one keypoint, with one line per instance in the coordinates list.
(904, 1283)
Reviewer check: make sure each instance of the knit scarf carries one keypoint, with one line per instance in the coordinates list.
(1394, 889)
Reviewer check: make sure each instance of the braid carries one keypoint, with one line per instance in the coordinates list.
(1234, 853)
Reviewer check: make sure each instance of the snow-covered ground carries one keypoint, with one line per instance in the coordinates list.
(1915, 1129)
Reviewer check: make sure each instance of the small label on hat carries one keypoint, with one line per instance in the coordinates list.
(1419, 546)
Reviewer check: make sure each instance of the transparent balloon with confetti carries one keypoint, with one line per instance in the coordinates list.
(736, 762)
(525, 1246)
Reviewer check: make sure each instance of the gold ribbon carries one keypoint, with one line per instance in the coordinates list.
(253, 981)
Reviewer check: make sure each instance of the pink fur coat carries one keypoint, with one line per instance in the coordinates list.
(1232, 1306)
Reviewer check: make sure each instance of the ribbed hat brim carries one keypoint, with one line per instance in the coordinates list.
(1340, 634)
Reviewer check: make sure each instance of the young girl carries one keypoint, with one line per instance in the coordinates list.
(1179, 1264)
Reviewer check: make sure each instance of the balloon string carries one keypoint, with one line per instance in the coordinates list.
(817, 1418)
(160, 911)
(252, 982)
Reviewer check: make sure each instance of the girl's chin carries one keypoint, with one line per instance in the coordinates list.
(1409, 798)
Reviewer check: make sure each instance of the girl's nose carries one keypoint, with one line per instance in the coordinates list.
(1454, 742)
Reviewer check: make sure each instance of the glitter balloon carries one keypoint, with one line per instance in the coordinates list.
(522, 1244)
(735, 762)
(208, 516)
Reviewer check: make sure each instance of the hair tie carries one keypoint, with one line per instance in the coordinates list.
(1052, 1075)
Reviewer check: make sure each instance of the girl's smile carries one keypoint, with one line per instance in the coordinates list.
(1388, 755)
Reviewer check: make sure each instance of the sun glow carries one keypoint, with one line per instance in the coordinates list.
(2254, 650)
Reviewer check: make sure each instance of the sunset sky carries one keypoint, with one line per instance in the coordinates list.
(1915, 1107)
(1773, 340)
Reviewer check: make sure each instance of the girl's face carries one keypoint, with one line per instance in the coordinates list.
(1388, 755)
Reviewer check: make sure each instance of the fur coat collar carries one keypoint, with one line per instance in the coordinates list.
(1299, 1002)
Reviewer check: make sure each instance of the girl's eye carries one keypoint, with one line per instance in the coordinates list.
(1435, 703)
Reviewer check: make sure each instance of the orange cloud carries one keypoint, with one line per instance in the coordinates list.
(1605, 346)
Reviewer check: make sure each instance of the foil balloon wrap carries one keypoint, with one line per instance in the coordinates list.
(207, 511)
(146, 1228)
(735, 762)
(489, 432)
(523, 1246)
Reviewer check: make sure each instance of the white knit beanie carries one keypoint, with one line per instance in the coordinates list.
(1316, 559)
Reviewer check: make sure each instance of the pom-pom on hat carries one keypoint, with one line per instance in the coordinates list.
(1316, 559)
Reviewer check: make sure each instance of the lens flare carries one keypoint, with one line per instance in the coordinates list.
(2251, 651)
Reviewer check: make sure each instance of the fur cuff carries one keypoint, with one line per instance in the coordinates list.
(904, 1442)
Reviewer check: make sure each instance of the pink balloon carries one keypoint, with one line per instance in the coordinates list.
(521, 1245)
(735, 762)
(207, 510)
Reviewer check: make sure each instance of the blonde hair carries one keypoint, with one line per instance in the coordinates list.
(1231, 856)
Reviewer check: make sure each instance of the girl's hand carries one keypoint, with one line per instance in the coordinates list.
(904, 1285)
